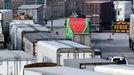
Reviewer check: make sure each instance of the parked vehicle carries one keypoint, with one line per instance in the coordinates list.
(52, 69)
(101, 13)
(18, 31)
(131, 32)
(118, 59)
(115, 69)
(30, 40)
(122, 10)
(56, 51)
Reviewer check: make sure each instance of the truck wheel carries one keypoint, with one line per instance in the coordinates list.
(132, 46)
(130, 43)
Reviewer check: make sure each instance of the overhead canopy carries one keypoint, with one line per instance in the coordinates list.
(62, 71)
(15, 55)
(63, 44)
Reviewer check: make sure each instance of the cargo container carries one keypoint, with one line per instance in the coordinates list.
(122, 10)
(115, 69)
(131, 32)
(11, 61)
(101, 13)
(50, 69)
(87, 64)
(30, 40)
(57, 51)
(17, 31)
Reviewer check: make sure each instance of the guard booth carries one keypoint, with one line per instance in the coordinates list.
(77, 29)
(31, 12)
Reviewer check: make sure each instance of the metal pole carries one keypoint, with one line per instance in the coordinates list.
(35, 2)
(65, 9)
(52, 16)
(3, 4)
(7, 67)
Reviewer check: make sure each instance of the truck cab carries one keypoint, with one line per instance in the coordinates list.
(97, 53)
(118, 59)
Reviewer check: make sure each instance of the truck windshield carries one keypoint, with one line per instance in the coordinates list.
(97, 53)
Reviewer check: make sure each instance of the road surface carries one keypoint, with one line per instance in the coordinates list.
(113, 45)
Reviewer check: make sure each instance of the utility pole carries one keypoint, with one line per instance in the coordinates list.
(78, 5)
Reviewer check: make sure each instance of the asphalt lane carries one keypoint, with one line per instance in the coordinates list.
(113, 45)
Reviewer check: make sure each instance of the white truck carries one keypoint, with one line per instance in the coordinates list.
(30, 40)
(115, 69)
(122, 10)
(17, 31)
(11, 61)
(50, 69)
(131, 32)
(56, 51)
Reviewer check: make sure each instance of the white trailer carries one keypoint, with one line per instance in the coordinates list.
(122, 10)
(115, 69)
(11, 62)
(57, 50)
(57, 70)
(17, 31)
(30, 40)
(131, 32)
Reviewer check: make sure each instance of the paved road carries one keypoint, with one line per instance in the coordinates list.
(119, 46)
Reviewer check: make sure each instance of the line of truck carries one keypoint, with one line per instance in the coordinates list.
(49, 47)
